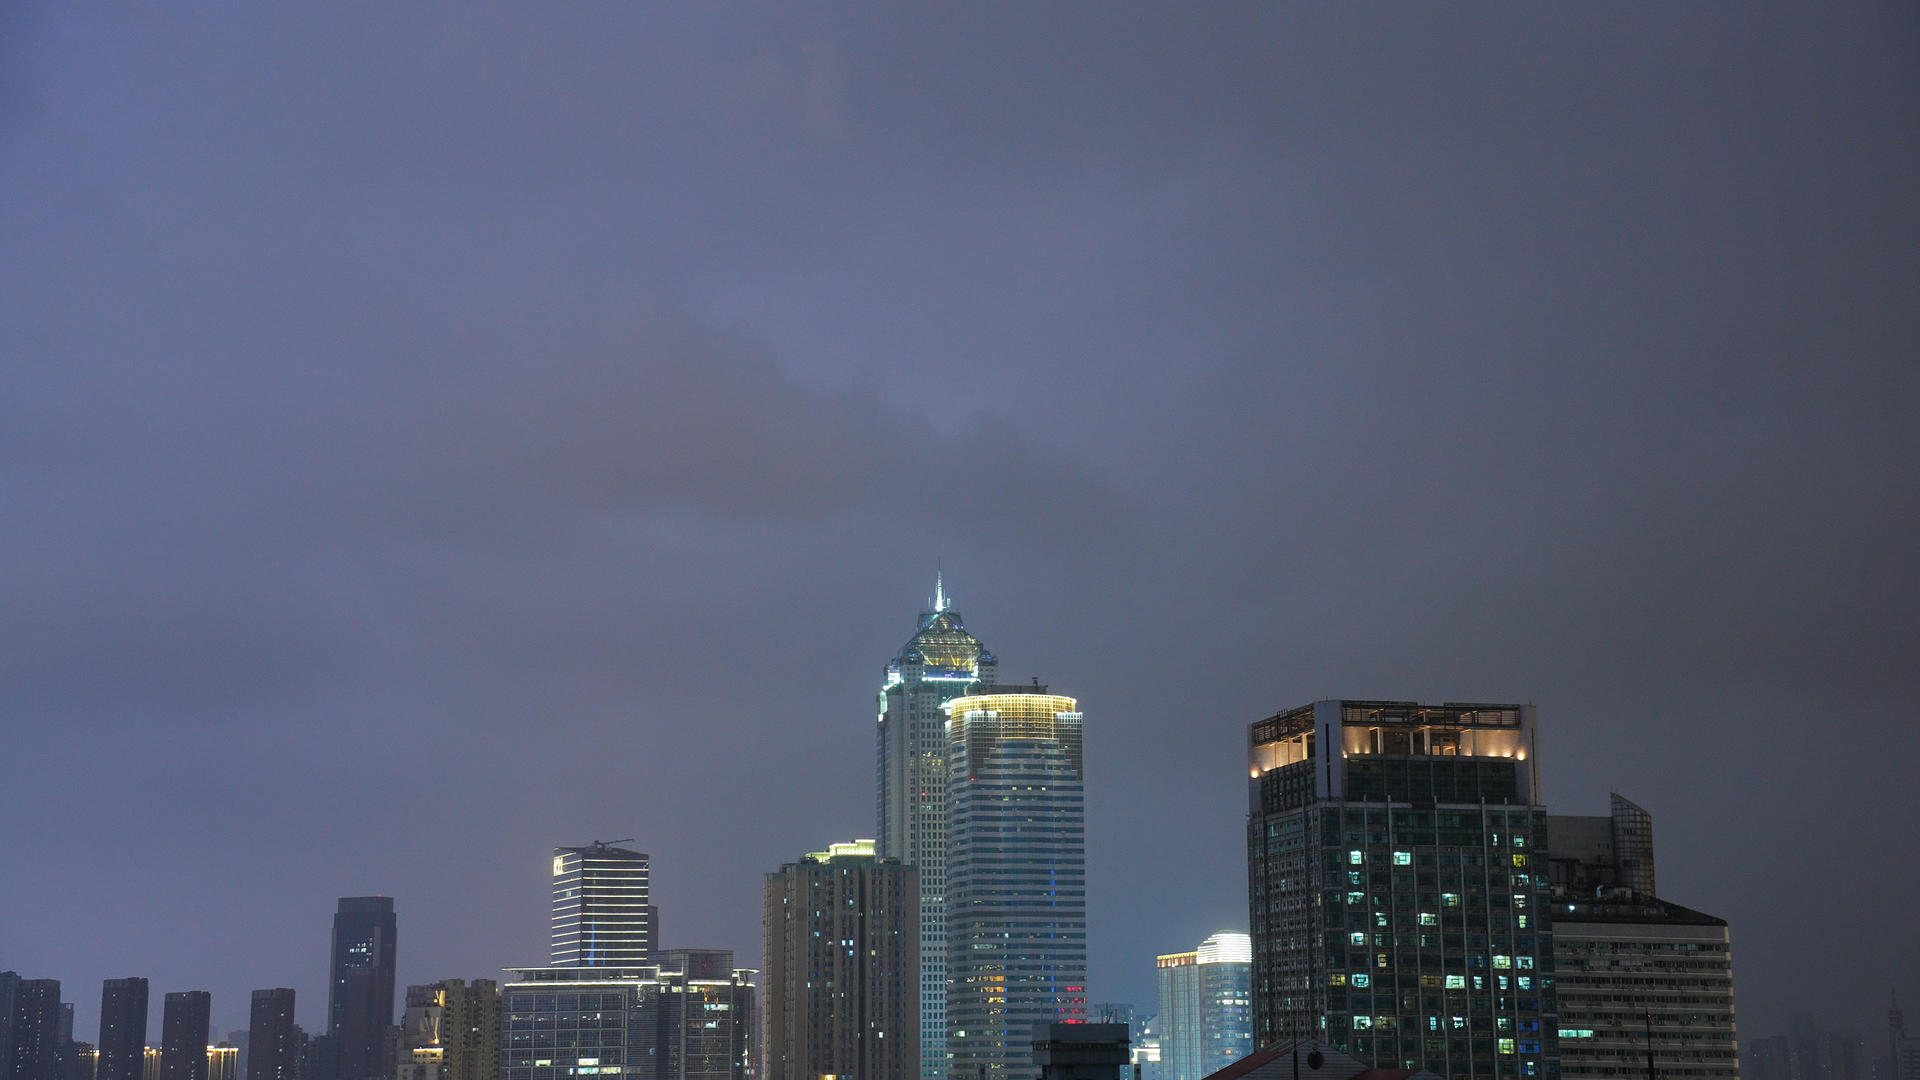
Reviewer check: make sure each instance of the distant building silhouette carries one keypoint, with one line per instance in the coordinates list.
(1206, 1006)
(29, 1027)
(123, 1030)
(276, 1047)
(842, 979)
(1396, 870)
(185, 1022)
(602, 912)
(1080, 1051)
(1016, 876)
(940, 662)
(360, 1038)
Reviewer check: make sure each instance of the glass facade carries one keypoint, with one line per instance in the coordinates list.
(649, 1022)
(939, 663)
(601, 914)
(1016, 877)
(1398, 887)
(1206, 1006)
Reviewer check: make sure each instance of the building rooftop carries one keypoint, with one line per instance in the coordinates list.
(1621, 906)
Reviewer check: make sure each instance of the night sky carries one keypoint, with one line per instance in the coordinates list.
(430, 434)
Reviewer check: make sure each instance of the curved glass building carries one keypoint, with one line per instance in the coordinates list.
(1016, 876)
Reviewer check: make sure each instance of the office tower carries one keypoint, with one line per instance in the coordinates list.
(185, 1020)
(1396, 880)
(1206, 1006)
(29, 1027)
(360, 996)
(691, 1017)
(842, 955)
(274, 1041)
(223, 1062)
(451, 1030)
(1080, 1051)
(1636, 975)
(1016, 872)
(601, 913)
(940, 662)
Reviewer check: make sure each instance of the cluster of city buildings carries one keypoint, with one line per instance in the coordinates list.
(1414, 910)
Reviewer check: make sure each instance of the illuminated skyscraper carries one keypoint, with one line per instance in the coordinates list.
(939, 663)
(1016, 876)
(1398, 879)
(601, 913)
(360, 998)
(1206, 1006)
(123, 1029)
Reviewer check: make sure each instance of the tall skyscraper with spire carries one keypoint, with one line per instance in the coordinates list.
(940, 662)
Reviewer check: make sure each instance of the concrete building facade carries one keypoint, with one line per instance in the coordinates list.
(842, 967)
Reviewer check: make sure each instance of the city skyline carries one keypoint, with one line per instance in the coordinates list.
(433, 437)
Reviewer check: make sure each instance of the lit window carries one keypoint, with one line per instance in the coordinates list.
(1450, 899)
(1355, 856)
(1403, 858)
(1506, 1046)
(1500, 961)
(1361, 978)
(1357, 937)
(1362, 1022)
(1428, 918)
(1456, 982)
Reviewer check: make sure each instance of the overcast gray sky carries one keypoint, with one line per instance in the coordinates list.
(434, 433)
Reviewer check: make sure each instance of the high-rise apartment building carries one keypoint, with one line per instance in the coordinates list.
(690, 1017)
(223, 1062)
(123, 1029)
(1206, 1006)
(1638, 976)
(842, 976)
(451, 1031)
(1016, 876)
(275, 1045)
(602, 914)
(1397, 886)
(1641, 982)
(185, 1022)
(29, 1027)
(940, 662)
(360, 995)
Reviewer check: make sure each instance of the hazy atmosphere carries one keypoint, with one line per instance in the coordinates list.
(433, 434)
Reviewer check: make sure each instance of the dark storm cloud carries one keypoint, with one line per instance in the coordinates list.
(429, 436)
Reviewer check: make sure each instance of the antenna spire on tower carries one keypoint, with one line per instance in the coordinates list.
(939, 592)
